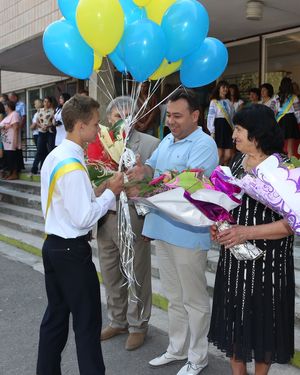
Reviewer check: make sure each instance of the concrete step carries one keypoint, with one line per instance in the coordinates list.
(19, 198)
(29, 187)
(22, 225)
(22, 212)
(26, 241)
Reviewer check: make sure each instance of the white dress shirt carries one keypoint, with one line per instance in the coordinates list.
(74, 209)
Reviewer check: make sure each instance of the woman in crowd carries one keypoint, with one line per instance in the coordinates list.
(58, 122)
(288, 113)
(267, 96)
(254, 95)
(11, 140)
(235, 97)
(38, 104)
(253, 307)
(219, 121)
(45, 142)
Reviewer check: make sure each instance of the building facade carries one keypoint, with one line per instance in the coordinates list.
(260, 51)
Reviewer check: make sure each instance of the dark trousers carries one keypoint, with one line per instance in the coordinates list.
(72, 286)
(42, 151)
(35, 139)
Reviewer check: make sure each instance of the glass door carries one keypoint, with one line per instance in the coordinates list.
(243, 65)
(281, 57)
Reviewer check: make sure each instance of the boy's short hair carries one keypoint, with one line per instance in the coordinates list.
(78, 108)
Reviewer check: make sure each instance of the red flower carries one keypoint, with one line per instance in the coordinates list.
(112, 135)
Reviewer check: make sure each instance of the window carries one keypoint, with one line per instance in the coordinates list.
(243, 65)
(281, 57)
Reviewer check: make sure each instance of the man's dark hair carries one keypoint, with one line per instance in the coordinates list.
(262, 127)
(189, 95)
(78, 108)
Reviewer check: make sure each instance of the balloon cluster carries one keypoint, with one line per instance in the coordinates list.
(149, 39)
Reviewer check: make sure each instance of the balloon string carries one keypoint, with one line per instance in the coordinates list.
(158, 104)
(104, 92)
(145, 103)
(109, 75)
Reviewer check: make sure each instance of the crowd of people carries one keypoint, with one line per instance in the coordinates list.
(47, 128)
(225, 101)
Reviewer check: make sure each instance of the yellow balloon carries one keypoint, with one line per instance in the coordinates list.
(100, 23)
(97, 62)
(141, 3)
(157, 8)
(165, 69)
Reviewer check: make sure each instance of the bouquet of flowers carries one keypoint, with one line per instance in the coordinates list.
(175, 194)
(276, 184)
(108, 152)
(108, 146)
(193, 199)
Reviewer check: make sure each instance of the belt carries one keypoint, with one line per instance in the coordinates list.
(85, 237)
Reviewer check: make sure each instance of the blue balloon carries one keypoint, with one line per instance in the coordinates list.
(117, 60)
(144, 48)
(132, 12)
(185, 25)
(67, 51)
(68, 9)
(205, 64)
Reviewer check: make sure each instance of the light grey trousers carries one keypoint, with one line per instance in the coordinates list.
(182, 273)
(124, 309)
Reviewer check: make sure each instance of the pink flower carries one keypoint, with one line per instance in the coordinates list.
(157, 180)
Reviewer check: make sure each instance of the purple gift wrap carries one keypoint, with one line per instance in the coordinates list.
(275, 184)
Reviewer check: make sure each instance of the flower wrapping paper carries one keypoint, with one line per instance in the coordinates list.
(275, 184)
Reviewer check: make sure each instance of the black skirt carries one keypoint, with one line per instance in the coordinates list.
(10, 160)
(20, 160)
(254, 301)
(290, 127)
(223, 134)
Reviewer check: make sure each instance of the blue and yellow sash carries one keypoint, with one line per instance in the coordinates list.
(224, 112)
(287, 106)
(62, 168)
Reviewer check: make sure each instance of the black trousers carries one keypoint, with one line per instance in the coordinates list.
(72, 286)
(45, 144)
